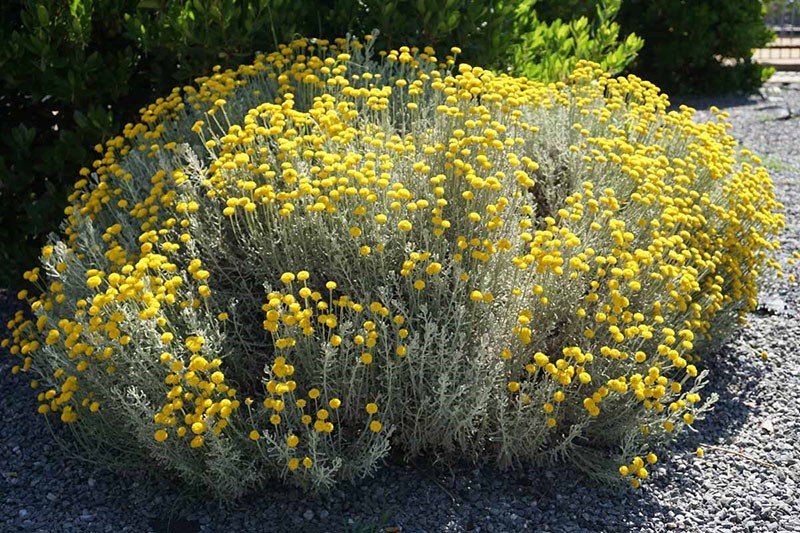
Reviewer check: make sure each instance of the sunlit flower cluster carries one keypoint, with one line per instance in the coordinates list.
(294, 265)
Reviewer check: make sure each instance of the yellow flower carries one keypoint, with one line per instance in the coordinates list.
(292, 441)
(254, 435)
(433, 268)
(375, 426)
(372, 408)
(699, 452)
(404, 225)
(160, 435)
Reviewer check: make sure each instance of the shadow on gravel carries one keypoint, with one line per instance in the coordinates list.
(735, 372)
(701, 103)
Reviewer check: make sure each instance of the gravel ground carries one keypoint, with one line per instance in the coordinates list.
(747, 481)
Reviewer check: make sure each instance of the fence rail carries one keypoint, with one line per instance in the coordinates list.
(783, 17)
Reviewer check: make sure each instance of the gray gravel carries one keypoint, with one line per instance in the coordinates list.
(747, 481)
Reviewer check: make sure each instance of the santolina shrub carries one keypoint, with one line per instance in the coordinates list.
(294, 266)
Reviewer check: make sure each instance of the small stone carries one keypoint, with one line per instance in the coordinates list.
(51, 497)
(308, 514)
(92, 482)
(23, 513)
(324, 514)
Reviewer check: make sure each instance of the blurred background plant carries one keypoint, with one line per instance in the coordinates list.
(73, 72)
(701, 47)
(549, 48)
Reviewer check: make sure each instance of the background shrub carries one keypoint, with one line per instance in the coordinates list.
(691, 47)
(300, 263)
(549, 49)
(74, 72)
(699, 47)
(702, 47)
